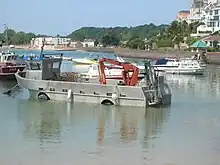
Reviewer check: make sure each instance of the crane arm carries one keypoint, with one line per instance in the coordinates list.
(125, 66)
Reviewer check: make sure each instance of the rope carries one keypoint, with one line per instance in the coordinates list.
(10, 90)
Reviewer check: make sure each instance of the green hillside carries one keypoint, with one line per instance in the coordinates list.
(122, 33)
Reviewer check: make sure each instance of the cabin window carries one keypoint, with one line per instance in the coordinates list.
(109, 94)
(56, 65)
(96, 93)
(122, 95)
(35, 66)
(52, 89)
(65, 90)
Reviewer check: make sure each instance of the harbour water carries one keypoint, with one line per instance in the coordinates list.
(43, 133)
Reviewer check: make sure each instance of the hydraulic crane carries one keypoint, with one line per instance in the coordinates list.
(126, 68)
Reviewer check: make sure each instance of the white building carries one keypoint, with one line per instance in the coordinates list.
(76, 44)
(212, 41)
(88, 43)
(49, 41)
(210, 16)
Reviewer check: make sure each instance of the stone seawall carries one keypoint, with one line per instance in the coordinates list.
(213, 57)
(131, 53)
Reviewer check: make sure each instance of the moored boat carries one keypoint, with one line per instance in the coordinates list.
(181, 66)
(47, 82)
(111, 71)
(83, 64)
(9, 65)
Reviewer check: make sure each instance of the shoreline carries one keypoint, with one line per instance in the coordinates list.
(212, 57)
(122, 52)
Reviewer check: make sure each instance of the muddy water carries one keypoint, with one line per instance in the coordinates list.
(187, 133)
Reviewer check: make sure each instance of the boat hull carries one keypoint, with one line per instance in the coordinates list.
(184, 71)
(6, 75)
(80, 68)
(83, 62)
(91, 92)
(117, 77)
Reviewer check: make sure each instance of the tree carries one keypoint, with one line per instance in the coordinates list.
(176, 32)
(110, 40)
(136, 43)
(215, 45)
(16, 38)
(141, 45)
(164, 42)
(191, 40)
(122, 33)
(96, 42)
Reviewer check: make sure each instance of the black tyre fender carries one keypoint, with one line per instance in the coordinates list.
(43, 96)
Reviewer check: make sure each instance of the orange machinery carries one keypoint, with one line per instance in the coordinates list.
(126, 68)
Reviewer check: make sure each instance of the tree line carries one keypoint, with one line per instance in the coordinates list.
(11, 37)
(140, 36)
(133, 37)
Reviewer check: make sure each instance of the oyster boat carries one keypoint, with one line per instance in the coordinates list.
(45, 81)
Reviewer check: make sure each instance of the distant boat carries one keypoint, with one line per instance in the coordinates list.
(111, 73)
(83, 61)
(31, 57)
(182, 66)
(9, 65)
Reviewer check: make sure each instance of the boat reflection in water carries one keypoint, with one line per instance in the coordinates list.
(127, 125)
(114, 125)
(208, 84)
(43, 124)
(119, 126)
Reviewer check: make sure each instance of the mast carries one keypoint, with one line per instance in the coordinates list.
(6, 35)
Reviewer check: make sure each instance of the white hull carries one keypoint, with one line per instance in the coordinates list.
(83, 61)
(177, 70)
(80, 68)
(91, 92)
(184, 66)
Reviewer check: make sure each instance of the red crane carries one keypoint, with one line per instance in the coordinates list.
(126, 68)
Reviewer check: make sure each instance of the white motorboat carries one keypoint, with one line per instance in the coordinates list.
(111, 73)
(82, 64)
(89, 66)
(83, 61)
(182, 66)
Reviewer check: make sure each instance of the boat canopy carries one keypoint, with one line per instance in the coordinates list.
(161, 61)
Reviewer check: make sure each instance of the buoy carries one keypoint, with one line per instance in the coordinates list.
(69, 94)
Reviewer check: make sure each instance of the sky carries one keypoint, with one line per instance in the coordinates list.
(54, 17)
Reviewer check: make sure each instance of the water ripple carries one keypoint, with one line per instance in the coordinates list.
(35, 132)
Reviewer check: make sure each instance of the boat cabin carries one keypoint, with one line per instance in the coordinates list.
(167, 62)
(4, 57)
(46, 69)
(49, 68)
(189, 63)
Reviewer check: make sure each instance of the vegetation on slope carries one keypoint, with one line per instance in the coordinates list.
(133, 37)
(139, 36)
(16, 38)
(122, 33)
